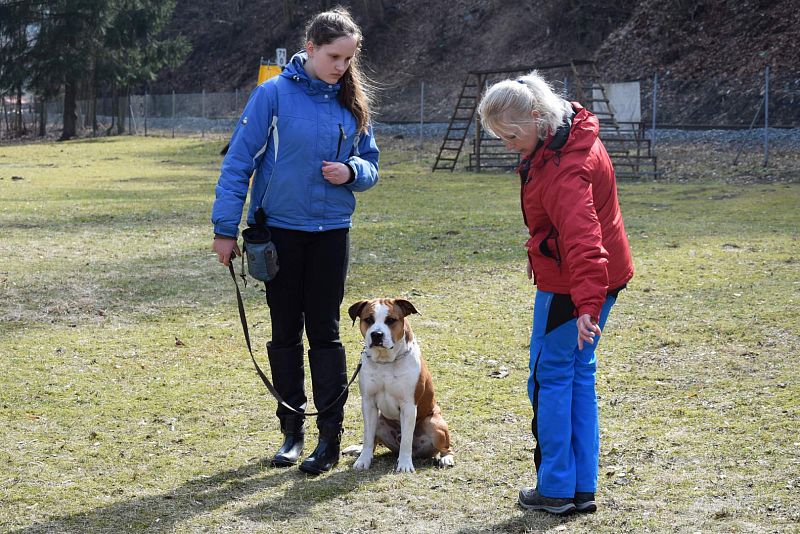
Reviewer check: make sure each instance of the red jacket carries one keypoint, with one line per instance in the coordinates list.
(569, 201)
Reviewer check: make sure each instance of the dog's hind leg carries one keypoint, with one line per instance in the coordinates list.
(438, 437)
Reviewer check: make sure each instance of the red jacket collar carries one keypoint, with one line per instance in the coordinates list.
(582, 134)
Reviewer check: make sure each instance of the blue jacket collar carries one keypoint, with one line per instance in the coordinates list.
(295, 71)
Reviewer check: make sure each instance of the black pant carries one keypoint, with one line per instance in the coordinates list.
(307, 293)
(309, 287)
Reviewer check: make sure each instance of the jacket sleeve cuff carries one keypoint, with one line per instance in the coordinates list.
(592, 311)
(352, 174)
(224, 230)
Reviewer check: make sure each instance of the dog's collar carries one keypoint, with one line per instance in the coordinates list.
(403, 354)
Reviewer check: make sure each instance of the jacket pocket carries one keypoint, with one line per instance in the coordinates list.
(549, 246)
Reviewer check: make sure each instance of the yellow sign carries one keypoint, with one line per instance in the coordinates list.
(267, 71)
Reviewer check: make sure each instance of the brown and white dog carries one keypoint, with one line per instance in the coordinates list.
(397, 398)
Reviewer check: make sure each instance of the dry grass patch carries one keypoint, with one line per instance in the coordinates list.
(129, 403)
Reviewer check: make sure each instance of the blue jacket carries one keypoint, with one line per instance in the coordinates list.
(310, 126)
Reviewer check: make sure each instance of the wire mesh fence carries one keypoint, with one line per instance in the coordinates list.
(678, 104)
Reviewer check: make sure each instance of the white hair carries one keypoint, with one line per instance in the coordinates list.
(508, 105)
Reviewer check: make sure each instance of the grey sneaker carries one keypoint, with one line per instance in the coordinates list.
(584, 502)
(530, 499)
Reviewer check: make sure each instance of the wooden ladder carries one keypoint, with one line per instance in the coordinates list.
(459, 124)
(629, 149)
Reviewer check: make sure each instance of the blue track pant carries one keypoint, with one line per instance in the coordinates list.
(561, 388)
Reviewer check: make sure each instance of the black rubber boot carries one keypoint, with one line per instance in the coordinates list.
(293, 437)
(326, 455)
(286, 365)
(328, 381)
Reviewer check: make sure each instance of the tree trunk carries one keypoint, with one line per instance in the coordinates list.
(379, 11)
(92, 115)
(122, 111)
(288, 11)
(70, 117)
(5, 116)
(42, 116)
(19, 122)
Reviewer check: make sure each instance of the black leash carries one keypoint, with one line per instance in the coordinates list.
(264, 378)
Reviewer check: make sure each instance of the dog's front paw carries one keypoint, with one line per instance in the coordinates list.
(363, 462)
(445, 461)
(405, 465)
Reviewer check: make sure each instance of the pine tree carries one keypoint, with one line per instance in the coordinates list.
(53, 44)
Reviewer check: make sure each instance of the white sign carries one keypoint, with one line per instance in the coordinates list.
(624, 101)
(280, 56)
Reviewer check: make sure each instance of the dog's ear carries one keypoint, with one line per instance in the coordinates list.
(406, 306)
(355, 309)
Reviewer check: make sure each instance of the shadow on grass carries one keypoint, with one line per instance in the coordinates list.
(528, 522)
(307, 492)
(162, 512)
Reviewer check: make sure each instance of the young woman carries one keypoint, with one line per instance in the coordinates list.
(307, 136)
(579, 259)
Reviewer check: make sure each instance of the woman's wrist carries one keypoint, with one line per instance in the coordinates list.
(352, 174)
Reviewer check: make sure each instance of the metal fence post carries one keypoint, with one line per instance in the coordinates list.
(766, 116)
(145, 112)
(655, 98)
(131, 124)
(421, 111)
(173, 113)
(203, 114)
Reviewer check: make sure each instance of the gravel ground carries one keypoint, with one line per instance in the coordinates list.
(778, 137)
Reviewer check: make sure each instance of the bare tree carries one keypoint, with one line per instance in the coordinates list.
(374, 10)
(288, 11)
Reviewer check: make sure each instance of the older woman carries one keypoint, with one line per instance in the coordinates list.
(579, 259)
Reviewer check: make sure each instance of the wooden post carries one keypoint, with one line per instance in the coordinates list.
(478, 129)
(655, 99)
(421, 111)
(766, 116)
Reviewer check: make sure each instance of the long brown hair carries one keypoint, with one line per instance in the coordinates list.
(356, 93)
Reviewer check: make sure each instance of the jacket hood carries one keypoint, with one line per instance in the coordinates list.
(295, 70)
(578, 136)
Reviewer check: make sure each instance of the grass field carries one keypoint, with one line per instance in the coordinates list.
(128, 401)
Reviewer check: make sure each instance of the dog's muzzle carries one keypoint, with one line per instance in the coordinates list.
(376, 339)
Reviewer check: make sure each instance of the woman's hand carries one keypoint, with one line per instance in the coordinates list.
(335, 172)
(224, 247)
(587, 330)
(528, 267)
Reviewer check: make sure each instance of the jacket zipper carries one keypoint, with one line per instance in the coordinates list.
(342, 136)
(558, 253)
(525, 217)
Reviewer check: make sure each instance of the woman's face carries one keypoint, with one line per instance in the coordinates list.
(329, 62)
(520, 137)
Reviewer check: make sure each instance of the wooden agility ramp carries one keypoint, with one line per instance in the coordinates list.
(630, 151)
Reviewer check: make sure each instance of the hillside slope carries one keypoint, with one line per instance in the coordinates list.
(712, 44)
(710, 57)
